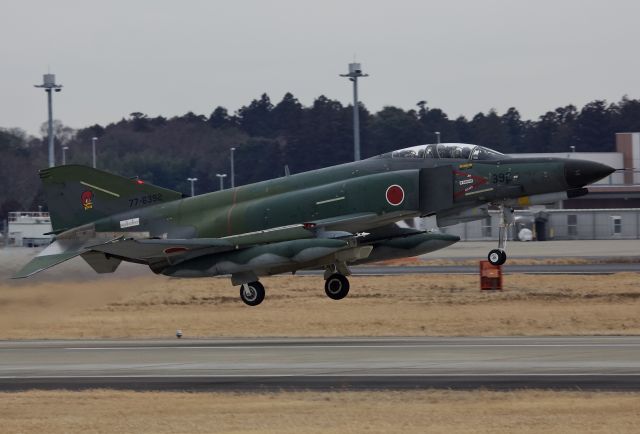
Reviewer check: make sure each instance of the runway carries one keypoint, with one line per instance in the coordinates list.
(502, 363)
(577, 269)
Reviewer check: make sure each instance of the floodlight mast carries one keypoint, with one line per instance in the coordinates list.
(49, 84)
(355, 71)
(192, 181)
(221, 176)
(93, 150)
(233, 170)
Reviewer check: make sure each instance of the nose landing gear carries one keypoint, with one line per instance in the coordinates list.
(499, 256)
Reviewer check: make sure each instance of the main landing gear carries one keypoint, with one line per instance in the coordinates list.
(252, 293)
(499, 256)
(336, 286)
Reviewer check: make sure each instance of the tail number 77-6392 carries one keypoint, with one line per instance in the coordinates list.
(145, 200)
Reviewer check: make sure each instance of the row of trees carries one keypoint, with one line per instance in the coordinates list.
(268, 136)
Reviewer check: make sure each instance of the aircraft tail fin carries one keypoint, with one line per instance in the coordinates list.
(77, 195)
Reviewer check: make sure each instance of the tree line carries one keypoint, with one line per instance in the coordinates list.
(268, 136)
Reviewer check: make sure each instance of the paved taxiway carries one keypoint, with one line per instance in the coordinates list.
(578, 269)
(607, 363)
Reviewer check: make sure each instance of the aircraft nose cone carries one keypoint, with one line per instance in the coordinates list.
(579, 173)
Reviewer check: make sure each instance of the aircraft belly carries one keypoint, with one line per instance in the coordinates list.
(405, 247)
(266, 261)
(259, 259)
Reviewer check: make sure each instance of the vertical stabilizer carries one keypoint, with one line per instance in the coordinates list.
(77, 195)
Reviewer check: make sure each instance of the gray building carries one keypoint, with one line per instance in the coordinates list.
(557, 224)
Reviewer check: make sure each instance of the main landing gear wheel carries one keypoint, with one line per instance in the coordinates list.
(252, 293)
(336, 286)
(497, 257)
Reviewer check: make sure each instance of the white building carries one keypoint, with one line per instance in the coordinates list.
(28, 229)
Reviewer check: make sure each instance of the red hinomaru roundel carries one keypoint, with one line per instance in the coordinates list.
(395, 195)
(87, 199)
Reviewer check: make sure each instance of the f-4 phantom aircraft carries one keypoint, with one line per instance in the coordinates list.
(327, 219)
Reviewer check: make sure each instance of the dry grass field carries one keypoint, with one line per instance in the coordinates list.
(473, 262)
(74, 303)
(103, 411)
(408, 305)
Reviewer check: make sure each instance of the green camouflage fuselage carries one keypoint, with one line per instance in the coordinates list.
(348, 189)
(329, 217)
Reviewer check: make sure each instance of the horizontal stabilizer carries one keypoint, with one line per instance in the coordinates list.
(42, 262)
(57, 252)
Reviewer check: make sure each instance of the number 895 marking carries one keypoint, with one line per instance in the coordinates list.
(501, 178)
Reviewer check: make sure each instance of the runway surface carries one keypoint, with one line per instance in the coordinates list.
(596, 363)
(580, 269)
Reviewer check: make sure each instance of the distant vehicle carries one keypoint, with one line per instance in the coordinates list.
(525, 234)
(328, 218)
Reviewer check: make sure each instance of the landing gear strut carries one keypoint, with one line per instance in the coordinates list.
(336, 286)
(499, 256)
(252, 293)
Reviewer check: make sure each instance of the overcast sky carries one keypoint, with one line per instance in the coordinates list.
(169, 57)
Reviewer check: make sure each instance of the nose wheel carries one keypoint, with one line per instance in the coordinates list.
(252, 293)
(499, 256)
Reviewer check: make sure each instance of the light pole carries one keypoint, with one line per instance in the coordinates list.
(64, 155)
(221, 176)
(192, 180)
(355, 71)
(49, 84)
(233, 172)
(93, 150)
(438, 137)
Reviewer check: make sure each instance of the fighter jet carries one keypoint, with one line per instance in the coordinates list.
(327, 219)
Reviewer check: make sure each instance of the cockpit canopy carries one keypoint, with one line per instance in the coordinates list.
(460, 151)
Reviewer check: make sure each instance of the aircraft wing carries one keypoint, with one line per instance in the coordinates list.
(345, 223)
(161, 250)
(104, 256)
(327, 228)
(172, 251)
(146, 251)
